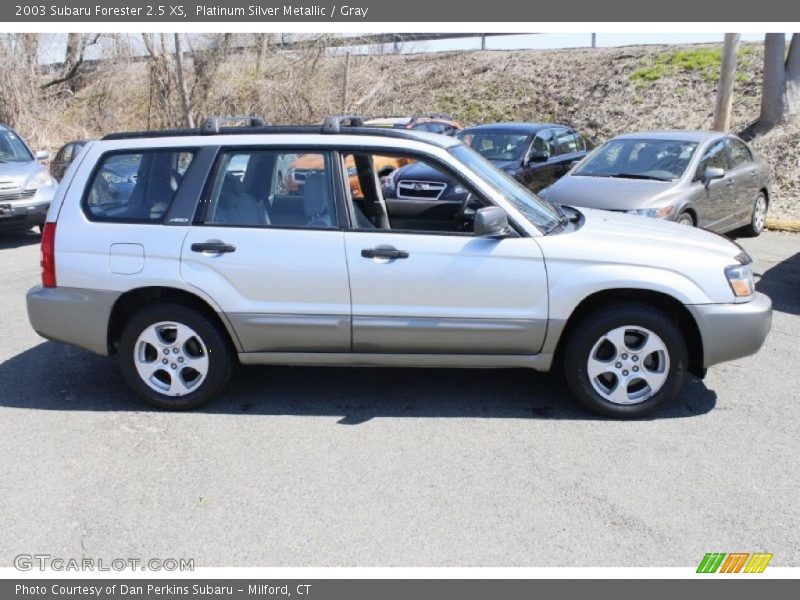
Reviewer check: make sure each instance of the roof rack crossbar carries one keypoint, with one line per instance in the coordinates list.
(334, 123)
(212, 125)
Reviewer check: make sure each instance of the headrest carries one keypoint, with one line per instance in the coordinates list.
(315, 195)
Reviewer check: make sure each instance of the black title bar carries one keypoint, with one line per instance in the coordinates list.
(372, 11)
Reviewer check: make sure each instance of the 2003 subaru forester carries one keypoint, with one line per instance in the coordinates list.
(183, 251)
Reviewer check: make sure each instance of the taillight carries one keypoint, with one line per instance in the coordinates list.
(48, 255)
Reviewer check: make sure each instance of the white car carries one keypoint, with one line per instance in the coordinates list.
(198, 265)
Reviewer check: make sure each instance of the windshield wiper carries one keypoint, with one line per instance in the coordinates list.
(562, 220)
(638, 176)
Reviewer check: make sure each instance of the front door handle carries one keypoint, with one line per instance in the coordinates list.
(216, 247)
(383, 252)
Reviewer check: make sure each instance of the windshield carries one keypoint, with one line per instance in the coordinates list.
(660, 160)
(12, 149)
(495, 145)
(536, 210)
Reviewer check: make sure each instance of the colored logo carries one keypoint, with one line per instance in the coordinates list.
(734, 562)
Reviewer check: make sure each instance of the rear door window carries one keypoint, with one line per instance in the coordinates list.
(136, 186)
(272, 188)
(739, 153)
(568, 142)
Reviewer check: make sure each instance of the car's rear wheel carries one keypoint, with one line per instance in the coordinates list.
(174, 357)
(686, 218)
(758, 217)
(625, 361)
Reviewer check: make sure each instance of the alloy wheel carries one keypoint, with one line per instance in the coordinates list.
(628, 365)
(171, 358)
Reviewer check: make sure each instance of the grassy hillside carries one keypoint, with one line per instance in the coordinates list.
(602, 92)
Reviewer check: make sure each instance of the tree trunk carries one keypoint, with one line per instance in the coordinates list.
(793, 79)
(184, 92)
(773, 91)
(727, 76)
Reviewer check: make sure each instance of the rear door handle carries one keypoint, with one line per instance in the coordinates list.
(383, 252)
(216, 247)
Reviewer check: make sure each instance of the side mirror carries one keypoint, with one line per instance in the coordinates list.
(538, 156)
(713, 173)
(491, 221)
(42, 155)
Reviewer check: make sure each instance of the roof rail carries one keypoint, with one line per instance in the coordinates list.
(333, 124)
(212, 125)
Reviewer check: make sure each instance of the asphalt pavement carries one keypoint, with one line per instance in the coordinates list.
(300, 466)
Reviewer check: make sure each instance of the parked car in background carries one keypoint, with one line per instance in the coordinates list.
(26, 187)
(432, 123)
(534, 154)
(64, 157)
(707, 179)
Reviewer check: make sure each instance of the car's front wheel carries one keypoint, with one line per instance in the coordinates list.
(625, 361)
(174, 357)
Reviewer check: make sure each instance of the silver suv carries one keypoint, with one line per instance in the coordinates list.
(183, 252)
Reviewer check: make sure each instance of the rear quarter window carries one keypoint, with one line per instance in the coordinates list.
(135, 186)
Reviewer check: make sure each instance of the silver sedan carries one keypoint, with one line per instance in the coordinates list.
(706, 179)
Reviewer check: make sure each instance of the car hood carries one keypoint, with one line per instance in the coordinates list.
(654, 233)
(607, 193)
(419, 171)
(19, 172)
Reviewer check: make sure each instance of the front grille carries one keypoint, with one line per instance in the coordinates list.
(17, 194)
(420, 190)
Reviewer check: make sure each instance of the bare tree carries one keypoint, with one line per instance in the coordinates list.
(72, 70)
(162, 111)
(184, 92)
(780, 92)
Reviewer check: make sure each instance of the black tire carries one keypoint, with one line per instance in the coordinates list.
(593, 327)
(686, 218)
(217, 350)
(756, 225)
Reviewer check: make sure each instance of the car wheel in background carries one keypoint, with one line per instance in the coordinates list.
(686, 218)
(174, 357)
(624, 361)
(758, 217)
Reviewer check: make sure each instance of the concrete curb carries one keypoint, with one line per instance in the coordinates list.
(782, 225)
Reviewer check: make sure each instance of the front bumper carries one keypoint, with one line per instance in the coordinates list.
(731, 331)
(71, 315)
(22, 215)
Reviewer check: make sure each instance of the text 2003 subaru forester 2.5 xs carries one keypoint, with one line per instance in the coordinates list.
(183, 251)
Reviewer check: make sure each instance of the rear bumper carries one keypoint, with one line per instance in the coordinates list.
(74, 316)
(731, 331)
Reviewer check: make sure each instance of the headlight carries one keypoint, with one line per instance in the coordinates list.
(740, 278)
(388, 181)
(657, 213)
(37, 181)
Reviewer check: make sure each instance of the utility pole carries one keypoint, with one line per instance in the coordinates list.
(344, 82)
(727, 77)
